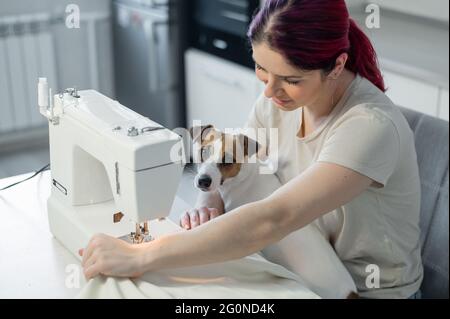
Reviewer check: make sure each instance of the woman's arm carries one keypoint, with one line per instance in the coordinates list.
(241, 232)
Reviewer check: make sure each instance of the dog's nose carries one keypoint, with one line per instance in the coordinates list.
(204, 181)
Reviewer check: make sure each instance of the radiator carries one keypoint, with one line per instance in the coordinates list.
(27, 52)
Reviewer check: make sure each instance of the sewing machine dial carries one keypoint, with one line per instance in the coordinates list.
(133, 131)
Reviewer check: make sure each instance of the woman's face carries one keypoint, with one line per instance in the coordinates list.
(288, 87)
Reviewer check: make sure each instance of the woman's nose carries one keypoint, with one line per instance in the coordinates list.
(271, 88)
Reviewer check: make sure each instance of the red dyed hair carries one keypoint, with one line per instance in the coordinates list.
(311, 34)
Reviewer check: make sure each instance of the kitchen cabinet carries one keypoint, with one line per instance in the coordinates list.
(219, 92)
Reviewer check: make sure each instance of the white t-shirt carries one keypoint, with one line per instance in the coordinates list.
(379, 229)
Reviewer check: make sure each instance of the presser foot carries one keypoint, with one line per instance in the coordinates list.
(133, 239)
(139, 239)
(141, 235)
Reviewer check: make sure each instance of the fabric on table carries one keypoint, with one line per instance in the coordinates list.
(250, 277)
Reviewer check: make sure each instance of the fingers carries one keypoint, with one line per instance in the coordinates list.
(89, 260)
(213, 213)
(195, 219)
(80, 252)
(92, 271)
(87, 253)
(185, 221)
(203, 215)
(92, 260)
(93, 243)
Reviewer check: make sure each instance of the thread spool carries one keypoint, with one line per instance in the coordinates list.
(43, 93)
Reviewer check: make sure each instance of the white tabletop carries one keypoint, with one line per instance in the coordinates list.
(33, 264)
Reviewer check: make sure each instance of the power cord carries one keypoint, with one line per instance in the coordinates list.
(45, 168)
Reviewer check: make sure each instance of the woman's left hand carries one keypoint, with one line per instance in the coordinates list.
(113, 257)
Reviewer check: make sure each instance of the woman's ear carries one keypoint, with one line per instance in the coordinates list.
(341, 61)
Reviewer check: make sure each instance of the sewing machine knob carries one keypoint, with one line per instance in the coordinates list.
(132, 131)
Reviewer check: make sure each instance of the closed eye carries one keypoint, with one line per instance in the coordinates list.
(292, 82)
(258, 67)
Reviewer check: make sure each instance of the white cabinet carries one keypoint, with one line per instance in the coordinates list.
(219, 92)
(444, 104)
(411, 93)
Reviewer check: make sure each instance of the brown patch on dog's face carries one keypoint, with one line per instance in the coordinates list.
(240, 146)
(211, 136)
(230, 164)
(204, 137)
(229, 170)
(249, 145)
(234, 149)
(199, 133)
(208, 144)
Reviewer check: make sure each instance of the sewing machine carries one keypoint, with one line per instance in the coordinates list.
(113, 171)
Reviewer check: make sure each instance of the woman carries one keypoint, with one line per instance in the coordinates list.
(352, 166)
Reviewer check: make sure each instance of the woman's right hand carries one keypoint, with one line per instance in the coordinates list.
(197, 216)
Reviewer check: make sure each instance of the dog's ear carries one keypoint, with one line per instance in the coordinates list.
(251, 147)
(199, 131)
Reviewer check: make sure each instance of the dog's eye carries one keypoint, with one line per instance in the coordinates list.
(206, 153)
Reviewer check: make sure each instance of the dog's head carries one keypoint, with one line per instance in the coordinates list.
(220, 155)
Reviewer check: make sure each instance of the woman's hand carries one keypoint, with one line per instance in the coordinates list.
(197, 217)
(110, 256)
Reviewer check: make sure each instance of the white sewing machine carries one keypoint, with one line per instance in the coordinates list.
(113, 170)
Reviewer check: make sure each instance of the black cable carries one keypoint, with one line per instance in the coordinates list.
(46, 167)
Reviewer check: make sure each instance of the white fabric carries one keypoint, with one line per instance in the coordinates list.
(251, 277)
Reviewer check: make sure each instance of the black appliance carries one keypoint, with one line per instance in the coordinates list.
(220, 28)
(146, 55)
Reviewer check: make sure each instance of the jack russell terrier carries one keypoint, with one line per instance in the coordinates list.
(305, 251)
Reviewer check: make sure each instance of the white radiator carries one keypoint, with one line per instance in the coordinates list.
(26, 52)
